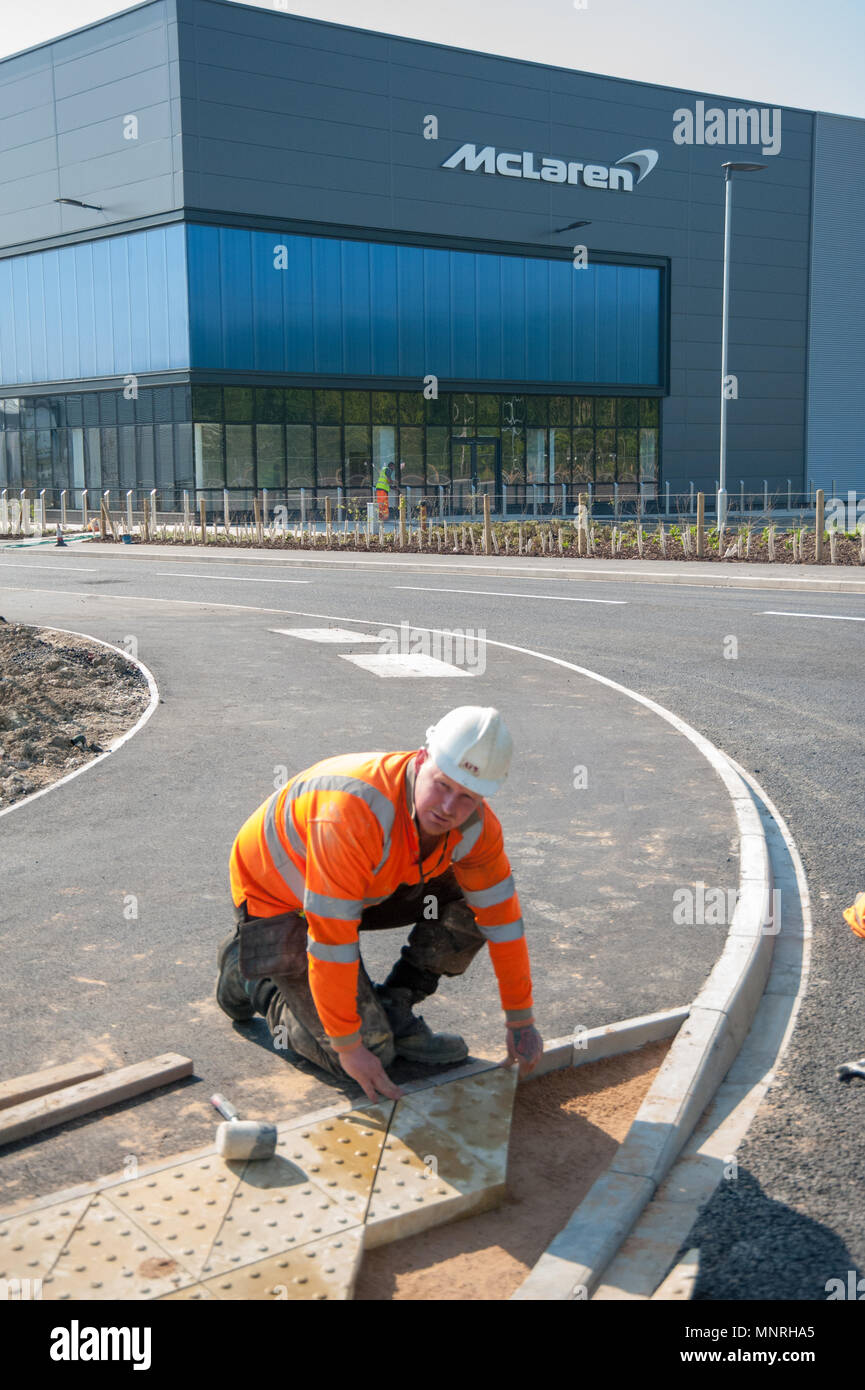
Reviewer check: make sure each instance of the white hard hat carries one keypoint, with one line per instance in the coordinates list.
(472, 746)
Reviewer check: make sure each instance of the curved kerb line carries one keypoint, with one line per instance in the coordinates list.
(115, 743)
(699, 1056)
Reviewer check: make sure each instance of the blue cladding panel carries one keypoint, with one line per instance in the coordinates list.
(350, 308)
(99, 308)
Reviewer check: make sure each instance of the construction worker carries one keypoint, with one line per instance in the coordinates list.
(365, 842)
(383, 490)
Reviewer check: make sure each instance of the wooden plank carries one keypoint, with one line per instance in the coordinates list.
(36, 1083)
(46, 1111)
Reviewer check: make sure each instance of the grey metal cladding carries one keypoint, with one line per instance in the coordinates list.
(836, 382)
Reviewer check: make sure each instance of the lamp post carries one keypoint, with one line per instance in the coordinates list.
(729, 170)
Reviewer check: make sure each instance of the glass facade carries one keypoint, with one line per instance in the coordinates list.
(284, 438)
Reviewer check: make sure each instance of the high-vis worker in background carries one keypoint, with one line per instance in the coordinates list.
(369, 842)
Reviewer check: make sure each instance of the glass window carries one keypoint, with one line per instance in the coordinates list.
(164, 456)
(43, 459)
(125, 409)
(463, 408)
(74, 411)
(298, 407)
(605, 456)
(269, 404)
(626, 456)
(648, 456)
(143, 408)
(328, 407)
(206, 404)
(356, 406)
(628, 412)
(560, 410)
(270, 454)
(438, 468)
(461, 457)
(536, 449)
(560, 456)
(649, 412)
(127, 457)
(411, 457)
(93, 457)
(513, 456)
(488, 412)
(13, 458)
(44, 419)
(238, 407)
(438, 412)
(384, 407)
(110, 463)
(146, 466)
(183, 475)
(605, 411)
(209, 464)
(59, 461)
(328, 455)
(298, 453)
(537, 410)
(239, 467)
(180, 406)
(163, 404)
(108, 407)
(583, 470)
(28, 415)
(411, 411)
(358, 454)
(4, 466)
(383, 449)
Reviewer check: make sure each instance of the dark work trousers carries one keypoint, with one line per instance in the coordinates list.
(443, 942)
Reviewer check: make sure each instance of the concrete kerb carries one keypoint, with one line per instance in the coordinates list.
(701, 1054)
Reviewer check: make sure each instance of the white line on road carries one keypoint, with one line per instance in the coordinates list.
(502, 593)
(26, 565)
(833, 617)
(405, 664)
(228, 578)
(327, 634)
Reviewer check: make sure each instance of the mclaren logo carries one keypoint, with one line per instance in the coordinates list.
(525, 165)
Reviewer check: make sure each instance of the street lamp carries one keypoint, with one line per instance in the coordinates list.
(729, 170)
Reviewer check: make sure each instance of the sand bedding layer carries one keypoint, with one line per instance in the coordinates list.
(566, 1128)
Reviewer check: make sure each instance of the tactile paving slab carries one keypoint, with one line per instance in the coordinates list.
(182, 1208)
(322, 1270)
(273, 1209)
(108, 1256)
(341, 1154)
(292, 1227)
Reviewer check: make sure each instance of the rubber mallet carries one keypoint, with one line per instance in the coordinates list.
(242, 1139)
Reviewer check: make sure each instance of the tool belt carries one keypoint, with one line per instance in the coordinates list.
(271, 946)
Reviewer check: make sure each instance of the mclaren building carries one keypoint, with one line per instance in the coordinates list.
(242, 249)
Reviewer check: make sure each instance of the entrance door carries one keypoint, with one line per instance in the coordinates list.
(477, 468)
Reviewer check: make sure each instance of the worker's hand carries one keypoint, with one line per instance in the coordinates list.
(366, 1069)
(525, 1046)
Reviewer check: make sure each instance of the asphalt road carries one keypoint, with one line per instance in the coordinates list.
(781, 694)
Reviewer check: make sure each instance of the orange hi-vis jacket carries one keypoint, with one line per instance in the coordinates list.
(340, 837)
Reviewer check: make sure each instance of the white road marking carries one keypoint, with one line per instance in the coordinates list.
(326, 634)
(229, 578)
(26, 565)
(833, 617)
(501, 593)
(405, 664)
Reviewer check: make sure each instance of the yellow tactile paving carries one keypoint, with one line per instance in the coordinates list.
(31, 1244)
(426, 1176)
(108, 1256)
(323, 1270)
(341, 1154)
(182, 1208)
(274, 1209)
(477, 1109)
(292, 1227)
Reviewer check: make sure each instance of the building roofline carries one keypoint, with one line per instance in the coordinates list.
(179, 6)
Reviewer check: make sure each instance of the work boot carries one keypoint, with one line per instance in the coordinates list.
(412, 1039)
(240, 999)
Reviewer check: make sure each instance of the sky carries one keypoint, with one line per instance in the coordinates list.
(805, 53)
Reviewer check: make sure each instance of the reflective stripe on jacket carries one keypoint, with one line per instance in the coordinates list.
(341, 837)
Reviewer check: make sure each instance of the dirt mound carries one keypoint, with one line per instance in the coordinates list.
(63, 700)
